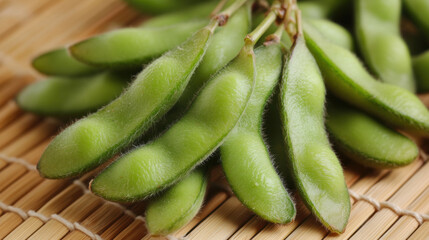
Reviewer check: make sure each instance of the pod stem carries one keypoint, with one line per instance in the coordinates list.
(292, 20)
(222, 17)
(271, 17)
(275, 37)
(218, 8)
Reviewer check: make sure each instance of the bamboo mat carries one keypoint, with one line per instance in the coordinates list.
(386, 204)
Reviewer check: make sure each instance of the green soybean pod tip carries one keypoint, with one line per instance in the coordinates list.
(130, 48)
(160, 6)
(317, 172)
(365, 140)
(158, 164)
(379, 39)
(71, 97)
(176, 206)
(245, 157)
(421, 71)
(59, 63)
(419, 11)
(92, 140)
(347, 79)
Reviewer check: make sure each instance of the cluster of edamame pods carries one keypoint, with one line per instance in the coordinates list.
(164, 96)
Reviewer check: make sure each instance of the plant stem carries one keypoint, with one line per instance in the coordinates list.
(222, 17)
(254, 36)
(218, 8)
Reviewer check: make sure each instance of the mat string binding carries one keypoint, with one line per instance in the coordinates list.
(420, 218)
(31, 213)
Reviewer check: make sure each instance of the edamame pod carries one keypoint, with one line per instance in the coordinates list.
(419, 12)
(92, 140)
(158, 164)
(130, 48)
(317, 172)
(346, 78)
(367, 141)
(225, 45)
(218, 55)
(384, 50)
(197, 12)
(159, 6)
(176, 206)
(322, 8)
(59, 63)
(334, 32)
(245, 157)
(421, 70)
(71, 97)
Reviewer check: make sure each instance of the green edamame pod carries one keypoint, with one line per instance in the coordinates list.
(334, 32)
(218, 55)
(419, 11)
(176, 206)
(367, 141)
(346, 78)
(322, 8)
(94, 139)
(158, 164)
(197, 12)
(317, 172)
(59, 63)
(245, 158)
(130, 48)
(421, 71)
(160, 6)
(274, 137)
(381, 44)
(225, 45)
(71, 97)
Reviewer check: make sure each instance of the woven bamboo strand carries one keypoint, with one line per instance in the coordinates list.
(136, 230)
(41, 133)
(16, 169)
(33, 200)
(33, 28)
(26, 214)
(78, 183)
(53, 206)
(311, 229)
(215, 226)
(382, 190)
(17, 128)
(19, 188)
(9, 112)
(14, 14)
(76, 212)
(421, 233)
(406, 225)
(273, 231)
(384, 218)
(117, 227)
(99, 220)
(26, 142)
(213, 202)
(80, 11)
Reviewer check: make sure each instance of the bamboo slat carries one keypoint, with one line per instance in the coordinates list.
(406, 225)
